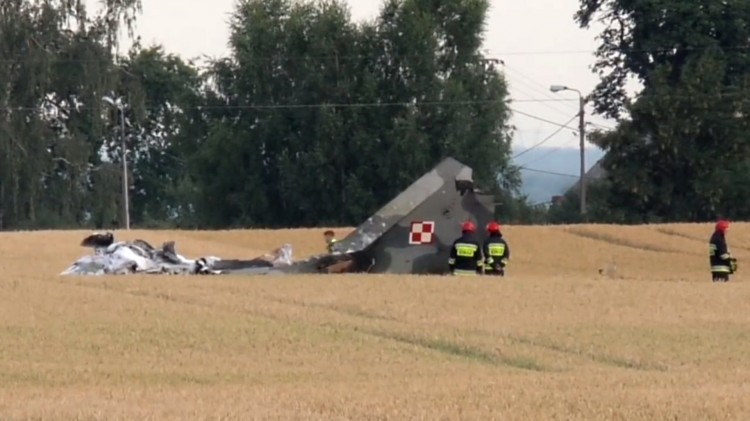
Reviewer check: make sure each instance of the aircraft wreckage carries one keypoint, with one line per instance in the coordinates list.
(411, 234)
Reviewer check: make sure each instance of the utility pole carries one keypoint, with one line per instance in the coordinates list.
(582, 134)
(125, 193)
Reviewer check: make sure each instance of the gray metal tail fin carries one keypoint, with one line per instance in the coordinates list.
(447, 171)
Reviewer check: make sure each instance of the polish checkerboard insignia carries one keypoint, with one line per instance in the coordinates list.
(422, 232)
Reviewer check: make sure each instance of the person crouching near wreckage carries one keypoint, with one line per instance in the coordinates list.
(466, 253)
(722, 262)
(496, 251)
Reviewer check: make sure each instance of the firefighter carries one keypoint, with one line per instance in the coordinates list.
(330, 238)
(496, 251)
(722, 262)
(466, 253)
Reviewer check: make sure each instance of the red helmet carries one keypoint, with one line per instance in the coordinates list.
(468, 226)
(493, 227)
(722, 225)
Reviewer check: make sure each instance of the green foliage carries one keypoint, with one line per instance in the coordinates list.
(57, 63)
(684, 145)
(513, 208)
(598, 207)
(312, 119)
(163, 96)
(332, 119)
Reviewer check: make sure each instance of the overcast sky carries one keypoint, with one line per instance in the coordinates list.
(537, 39)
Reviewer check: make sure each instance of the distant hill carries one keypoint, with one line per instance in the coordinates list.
(540, 187)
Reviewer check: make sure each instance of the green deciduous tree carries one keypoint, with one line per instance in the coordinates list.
(57, 62)
(678, 153)
(327, 120)
(164, 95)
(312, 120)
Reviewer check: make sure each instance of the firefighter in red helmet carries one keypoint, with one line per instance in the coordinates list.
(466, 253)
(496, 251)
(722, 262)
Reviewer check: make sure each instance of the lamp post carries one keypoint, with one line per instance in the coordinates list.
(582, 134)
(125, 198)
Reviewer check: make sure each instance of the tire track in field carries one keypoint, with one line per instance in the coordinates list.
(674, 233)
(622, 242)
(453, 348)
(599, 358)
(348, 310)
(447, 347)
(441, 345)
(466, 352)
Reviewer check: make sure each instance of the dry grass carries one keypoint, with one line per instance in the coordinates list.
(554, 340)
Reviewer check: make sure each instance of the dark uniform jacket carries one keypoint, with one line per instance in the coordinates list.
(466, 256)
(719, 256)
(496, 254)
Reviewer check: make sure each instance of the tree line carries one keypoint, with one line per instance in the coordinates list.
(313, 119)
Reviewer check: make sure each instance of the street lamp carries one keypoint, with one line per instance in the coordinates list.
(125, 198)
(582, 134)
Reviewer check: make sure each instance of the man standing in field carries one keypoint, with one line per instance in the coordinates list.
(466, 254)
(722, 262)
(496, 251)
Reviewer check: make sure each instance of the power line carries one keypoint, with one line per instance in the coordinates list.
(534, 86)
(397, 104)
(737, 49)
(559, 174)
(538, 88)
(601, 126)
(558, 148)
(326, 105)
(543, 141)
(548, 153)
(323, 105)
(565, 126)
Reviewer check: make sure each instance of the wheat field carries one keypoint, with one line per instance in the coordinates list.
(592, 322)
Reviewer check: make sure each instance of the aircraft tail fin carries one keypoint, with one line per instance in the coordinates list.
(449, 171)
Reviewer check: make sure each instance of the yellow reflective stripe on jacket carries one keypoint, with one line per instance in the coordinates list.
(466, 249)
(722, 269)
(464, 272)
(725, 256)
(496, 249)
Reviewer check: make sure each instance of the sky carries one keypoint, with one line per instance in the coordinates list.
(538, 41)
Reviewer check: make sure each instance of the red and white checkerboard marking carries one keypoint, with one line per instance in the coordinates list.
(422, 232)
